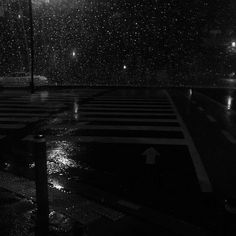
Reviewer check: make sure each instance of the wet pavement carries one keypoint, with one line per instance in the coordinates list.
(128, 149)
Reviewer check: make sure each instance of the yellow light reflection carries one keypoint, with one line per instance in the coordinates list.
(190, 93)
(55, 184)
(58, 157)
(76, 107)
(76, 110)
(44, 96)
(229, 102)
(76, 116)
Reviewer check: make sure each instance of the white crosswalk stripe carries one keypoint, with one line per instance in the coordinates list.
(121, 111)
(125, 113)
(127, 105)
(130, 120)
(111, 109)
(18, 109)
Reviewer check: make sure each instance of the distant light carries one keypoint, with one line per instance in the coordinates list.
(229, 102)
(7, 165)
(232, 74)
(124, 67)
(76, 107)
(233, 44)
(32, 165)
(19, 16)
(190, 93)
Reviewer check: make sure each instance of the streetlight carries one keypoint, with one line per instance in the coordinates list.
(73, 53)
(233, 44)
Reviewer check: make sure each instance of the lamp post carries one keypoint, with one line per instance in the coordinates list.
(31, 46)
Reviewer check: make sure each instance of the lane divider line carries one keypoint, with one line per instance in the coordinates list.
(211, 118)
(201, 173)
(229, 136)
(201, 109)
(212, 100)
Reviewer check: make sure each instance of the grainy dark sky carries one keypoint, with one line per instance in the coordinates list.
(99, 37)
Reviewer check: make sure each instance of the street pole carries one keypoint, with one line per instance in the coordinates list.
(41, 182)
(31, 46)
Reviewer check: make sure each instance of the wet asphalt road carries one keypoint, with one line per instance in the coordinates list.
(167, 149)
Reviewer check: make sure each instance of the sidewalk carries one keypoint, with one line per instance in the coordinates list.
(86, 215)
(17, 217)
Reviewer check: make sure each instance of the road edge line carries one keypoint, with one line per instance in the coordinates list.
(200, 170)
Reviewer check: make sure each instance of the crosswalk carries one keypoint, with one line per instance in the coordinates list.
(117, 121)
(19, 109)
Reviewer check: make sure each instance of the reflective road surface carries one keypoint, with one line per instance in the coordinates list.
(170, 150)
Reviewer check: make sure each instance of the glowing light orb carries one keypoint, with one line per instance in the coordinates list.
(229, 103)
(190, 93)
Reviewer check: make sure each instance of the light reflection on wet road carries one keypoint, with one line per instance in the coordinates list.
(59, 153)
(83, 155)
(113, 167)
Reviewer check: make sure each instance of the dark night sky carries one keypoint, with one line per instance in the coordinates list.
(77, 39)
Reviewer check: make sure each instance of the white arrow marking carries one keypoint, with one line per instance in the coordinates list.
(151, 154)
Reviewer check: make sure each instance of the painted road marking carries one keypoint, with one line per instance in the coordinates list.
(132, 99)
(130, 119)
(130, 205)
(24, 114)
(211, 118)
(28, 109)
(200, 109)
(212, 100)
(126, 113)
(27, 106)
(19, 119)
(116, 127)
(133, 140)
(151, 154)
(39, 99)
(128, 102)
(203, 178)
(81, 108)
(126, 105)
(12, 126)
(229, 136)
